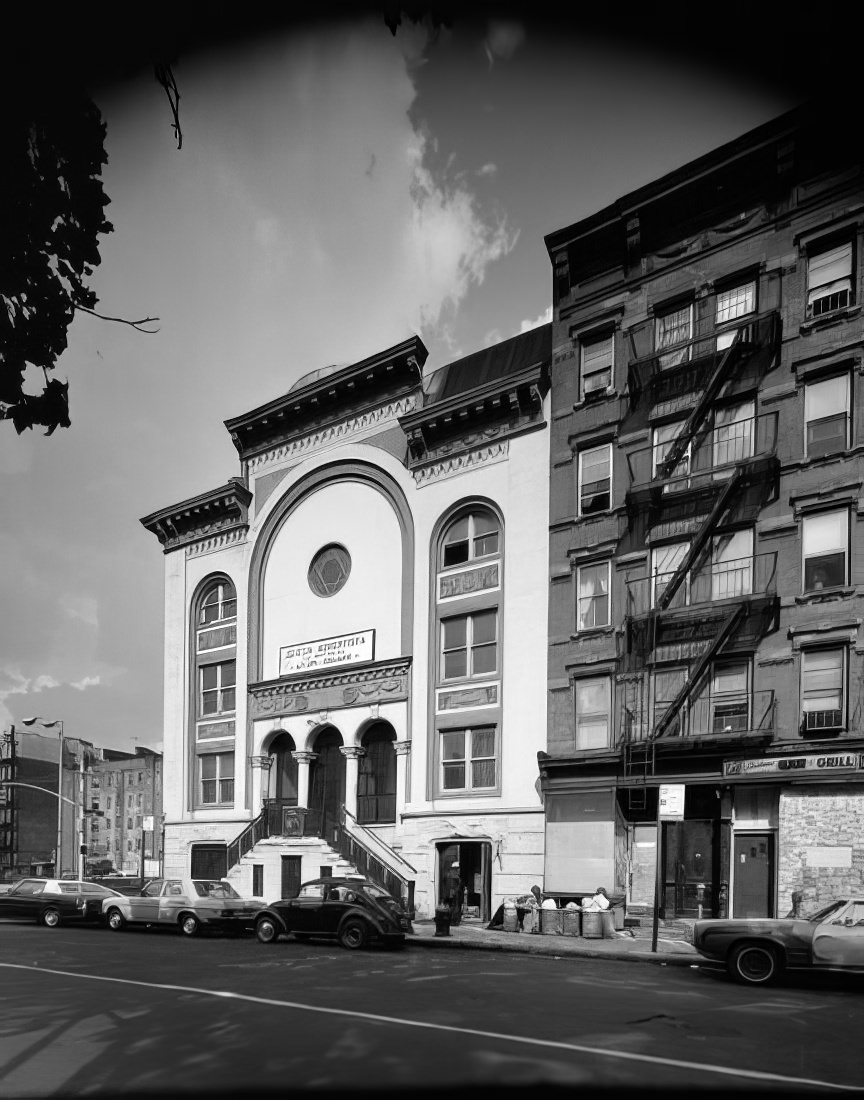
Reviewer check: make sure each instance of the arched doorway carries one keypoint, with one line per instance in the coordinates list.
(376, 776)
(327, 778)
(283, 770)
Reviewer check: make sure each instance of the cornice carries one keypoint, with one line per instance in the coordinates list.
(215, 513)
(333, 433)
(375, 682)
(461, 463)
(385, 375)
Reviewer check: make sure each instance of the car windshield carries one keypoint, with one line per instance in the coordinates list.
(205, 889)
(28, 886)
(816, 918)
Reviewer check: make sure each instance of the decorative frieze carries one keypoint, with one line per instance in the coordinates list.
(217, 542)
(460, 464)
(468, 581)
(333, 433)
(383, 682)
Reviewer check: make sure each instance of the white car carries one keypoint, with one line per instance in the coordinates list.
(184, 903)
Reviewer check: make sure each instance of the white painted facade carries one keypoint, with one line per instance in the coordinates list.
(350, 481)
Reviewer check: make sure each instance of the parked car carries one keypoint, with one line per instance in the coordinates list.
(757, 951)
(52, 901)
(188, 904)
(352, 910)
(122, 884)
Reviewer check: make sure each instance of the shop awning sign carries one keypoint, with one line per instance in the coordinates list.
(345, 649)
(672, 802)
(822, 763)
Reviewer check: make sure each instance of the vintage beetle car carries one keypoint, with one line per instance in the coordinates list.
(52, 901)
(188, 904)
(352, 910)
(757, 951)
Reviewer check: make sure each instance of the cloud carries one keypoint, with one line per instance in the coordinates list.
(543, 319)
(88, 681)
(487, 170)
(84, 608)
(503, 39)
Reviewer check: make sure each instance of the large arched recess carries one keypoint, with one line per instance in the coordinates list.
(366, 474)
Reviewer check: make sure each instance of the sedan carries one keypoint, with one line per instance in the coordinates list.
(353, 911)
(52, 901)
(188, 904)
(757, 951)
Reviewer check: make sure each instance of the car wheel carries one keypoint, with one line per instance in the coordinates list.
(50, 917)
(354, 934)
(116, 920)
(266, 930)
(755, 964)
(189, 925)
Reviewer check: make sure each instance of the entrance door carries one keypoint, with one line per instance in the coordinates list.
(753, 882)
(643, 864)
(327, 778)
(290, 876)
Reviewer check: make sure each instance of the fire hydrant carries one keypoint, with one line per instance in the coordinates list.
(442, 920)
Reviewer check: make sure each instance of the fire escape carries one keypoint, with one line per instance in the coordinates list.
(701, 483)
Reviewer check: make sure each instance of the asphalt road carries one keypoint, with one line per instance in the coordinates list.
(88, 1012)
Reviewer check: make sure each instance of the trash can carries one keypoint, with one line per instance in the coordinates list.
(571, 922)
(618, 913)
(550, 922)
(607, 923)
(442, 920)
(592, 926)
(511, 920)
(531, 921)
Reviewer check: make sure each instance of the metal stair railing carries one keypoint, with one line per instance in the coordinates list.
(352, 848)
(256, 830)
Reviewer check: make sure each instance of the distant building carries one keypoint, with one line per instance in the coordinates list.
(355, 633)
(706, 550)
(126, 832)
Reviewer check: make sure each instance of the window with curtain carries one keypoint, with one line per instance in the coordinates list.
(731, 565)
(663, 436)
(665, 686)
(826, 415)
(826, 550)
(732, 439)
(593, 698)
(829, 279)
(671, 329)
(664, 564)
(822, 689)
(595, 480)
(593, 599)
(596, 361)
(732, 304)
(216, 774)
(468, 759)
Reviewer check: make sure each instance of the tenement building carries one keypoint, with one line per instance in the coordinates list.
(356, 634)
(706, 552)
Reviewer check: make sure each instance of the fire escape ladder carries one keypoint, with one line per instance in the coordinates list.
(701, 410)
(638, 764)
(699, 541)
(699, 671)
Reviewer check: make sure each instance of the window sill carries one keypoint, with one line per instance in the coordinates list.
(828, 319)
(826, 595)
(595, 398)
(593, 632)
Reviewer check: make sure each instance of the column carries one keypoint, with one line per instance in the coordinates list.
(260, 780)
(352, 754)
(402, 749)
(304, 759)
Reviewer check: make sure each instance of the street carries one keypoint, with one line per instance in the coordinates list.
(85, 1011)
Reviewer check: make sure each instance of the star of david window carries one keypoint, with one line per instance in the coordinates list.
(329, 570)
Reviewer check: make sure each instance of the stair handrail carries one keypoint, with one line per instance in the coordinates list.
(356, 827)
(256, 830)
(351, 847)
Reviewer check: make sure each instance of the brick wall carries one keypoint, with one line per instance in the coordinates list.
(821, 844)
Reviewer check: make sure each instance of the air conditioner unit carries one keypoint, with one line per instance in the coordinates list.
(822, 721)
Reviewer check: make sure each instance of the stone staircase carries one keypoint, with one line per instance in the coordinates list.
(314, 852)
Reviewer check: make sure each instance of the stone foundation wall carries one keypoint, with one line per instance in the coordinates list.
(821, 844)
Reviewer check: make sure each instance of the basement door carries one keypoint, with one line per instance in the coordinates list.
(753, 881)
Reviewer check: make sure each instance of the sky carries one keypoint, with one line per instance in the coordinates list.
(338, 189)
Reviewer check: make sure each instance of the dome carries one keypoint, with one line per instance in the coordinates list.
(315, 375)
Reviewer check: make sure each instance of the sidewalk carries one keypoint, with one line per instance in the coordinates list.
(474, 935)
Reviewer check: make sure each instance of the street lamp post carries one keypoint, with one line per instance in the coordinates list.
(58, 723)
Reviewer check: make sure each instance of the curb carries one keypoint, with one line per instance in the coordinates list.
(447, 943)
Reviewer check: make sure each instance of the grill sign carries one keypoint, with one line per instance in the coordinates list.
(343, 650)
(823, 762)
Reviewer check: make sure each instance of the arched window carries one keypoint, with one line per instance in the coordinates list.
(376, 777)
(468, 653)
(213, 702)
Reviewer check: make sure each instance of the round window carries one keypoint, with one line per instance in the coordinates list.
(329, 570)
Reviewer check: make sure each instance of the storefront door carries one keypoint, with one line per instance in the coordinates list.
(753, 881)
(643, 864)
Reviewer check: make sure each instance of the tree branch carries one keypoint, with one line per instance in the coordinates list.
(122, 320)
(165, 77)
